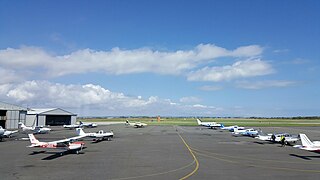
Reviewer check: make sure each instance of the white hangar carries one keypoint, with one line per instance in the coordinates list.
(11, 115)
(50, 117)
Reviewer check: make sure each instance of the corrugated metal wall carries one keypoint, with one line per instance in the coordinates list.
(14, 117)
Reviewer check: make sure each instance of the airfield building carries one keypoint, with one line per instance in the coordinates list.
(51, 117)
(11, 115)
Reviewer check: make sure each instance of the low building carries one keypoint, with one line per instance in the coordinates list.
(50, 117)
(11, 115)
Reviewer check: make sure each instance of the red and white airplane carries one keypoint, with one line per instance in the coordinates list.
(64, 144)
(308, 145)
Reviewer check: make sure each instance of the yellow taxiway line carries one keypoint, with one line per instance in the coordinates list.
(195, 160)
(194, 157)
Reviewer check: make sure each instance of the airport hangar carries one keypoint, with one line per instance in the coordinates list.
(11, 115)
(50, 117)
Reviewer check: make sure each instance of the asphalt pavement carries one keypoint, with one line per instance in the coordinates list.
(161, 152)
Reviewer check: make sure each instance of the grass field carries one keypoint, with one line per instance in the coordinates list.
(225, 121)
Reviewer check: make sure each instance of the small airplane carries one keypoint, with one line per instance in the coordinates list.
(36, 129)
(88, 125)
(68, 144)
(246, 132)
(212, 125)
(80, 125)
(135, 124)
(313, 146)
(6, 133)
(98, 136)
(231, 128)
(72, 126)
(289, 139)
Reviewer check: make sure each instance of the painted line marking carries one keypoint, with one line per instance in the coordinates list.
(194, 157)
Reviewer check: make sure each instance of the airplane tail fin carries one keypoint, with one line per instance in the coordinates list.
(33, 139)
(81, 123)
(222, 126)
(80, 132)
(199, 121)
(305, 141)
(127, 121)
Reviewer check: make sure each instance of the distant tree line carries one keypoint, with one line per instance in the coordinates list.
(252, 117)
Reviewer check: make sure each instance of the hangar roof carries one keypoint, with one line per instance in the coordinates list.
(7, 106)
(49, 111)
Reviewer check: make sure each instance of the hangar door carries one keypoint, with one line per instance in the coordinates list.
(57, 120)
(3, 118)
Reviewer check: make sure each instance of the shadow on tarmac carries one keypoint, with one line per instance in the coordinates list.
(305, 157)
(55, 155)
(262, 143)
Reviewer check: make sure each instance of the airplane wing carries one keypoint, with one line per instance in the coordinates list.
(69, 139)
(9, 133)
(215, 125)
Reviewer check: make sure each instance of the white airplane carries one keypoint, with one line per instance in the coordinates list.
(6, 133)
(64, 144)
(36, 129)
(88, 125)
(135, 124)
(289, 139)
(72, 126)
(98, 136)
(80, 125)
(246, 132)
(208, 124)
(313, 146)
(231, 128)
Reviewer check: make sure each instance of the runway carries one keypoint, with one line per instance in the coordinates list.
(162, 152)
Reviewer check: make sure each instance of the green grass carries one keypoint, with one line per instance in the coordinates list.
(225, 121)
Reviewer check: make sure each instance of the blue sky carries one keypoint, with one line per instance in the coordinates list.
(169, 58)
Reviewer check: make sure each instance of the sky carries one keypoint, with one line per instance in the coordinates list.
(169, 58)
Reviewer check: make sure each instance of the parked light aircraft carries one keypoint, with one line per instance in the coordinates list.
(246, 132)
(64, 144)
(72, 126)
(289, 139)
(6, 133)
(36, 129)
(88, 125)
(98, 136)
(80, 125)
(135, 124)
(231, 128)
(208, 124)
(313, 146)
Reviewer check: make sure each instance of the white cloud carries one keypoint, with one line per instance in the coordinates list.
(25, 57)
(199, 106)
(240, 69)
(264, 84)
(281, 50)
(247, 51)
(190, 99)
(93, 100)
(210, 88)
(117, 61)
(9, 76)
